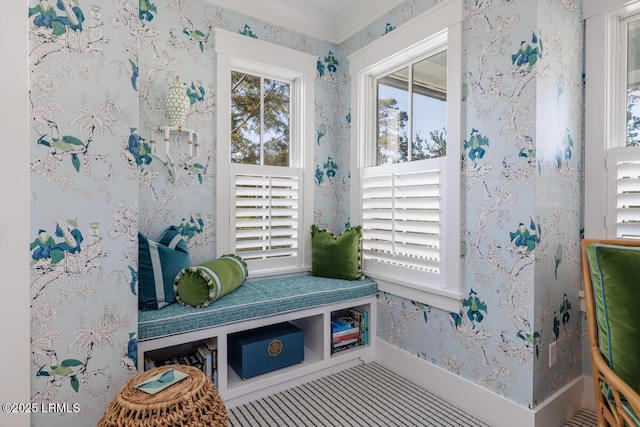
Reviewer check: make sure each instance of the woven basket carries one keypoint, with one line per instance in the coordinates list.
(192, 402)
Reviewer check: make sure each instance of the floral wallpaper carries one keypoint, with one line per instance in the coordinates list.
(84, 214)
(559, 198)
(99, 74)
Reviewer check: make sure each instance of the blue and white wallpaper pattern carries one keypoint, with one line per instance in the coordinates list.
(99, 75)
(84, 213)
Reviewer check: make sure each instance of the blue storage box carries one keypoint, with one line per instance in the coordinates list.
(265, 349)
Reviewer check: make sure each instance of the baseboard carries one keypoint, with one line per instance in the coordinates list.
(480, 402)
(589, 397)
(483, 404)
(562, 405)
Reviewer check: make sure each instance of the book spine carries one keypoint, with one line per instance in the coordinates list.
(336, 327)
(212, 346)
(205, 355)
(345, 342)
(351, 325)
(342, 323)
(346, 337)
(342, 348)
(359, 316)
(366, 328)
(149, 363)
(364, 325)
(185, 359)
(345, 332)
(211, 343)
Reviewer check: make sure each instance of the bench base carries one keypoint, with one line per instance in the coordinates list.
(318, 361)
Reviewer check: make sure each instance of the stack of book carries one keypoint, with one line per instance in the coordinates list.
(190, 359)
(362, 317)
(208, 352)
(205, 358)
(349, 328)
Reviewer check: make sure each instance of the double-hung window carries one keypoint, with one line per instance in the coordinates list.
(612, 128)
(406, 150)
(264, 197)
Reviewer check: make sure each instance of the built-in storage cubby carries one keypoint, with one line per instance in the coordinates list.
(349, 329)
(319, 359)
(158, 357)
(202, 354)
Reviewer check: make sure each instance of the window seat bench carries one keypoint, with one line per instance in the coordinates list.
(252, 300)
(306, 301)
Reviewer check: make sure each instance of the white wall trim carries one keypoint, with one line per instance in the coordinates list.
(480, 402)
(436, 297)
(596, 7)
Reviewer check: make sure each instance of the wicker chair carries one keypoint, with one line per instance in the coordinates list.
(612, 393)
(192, 402)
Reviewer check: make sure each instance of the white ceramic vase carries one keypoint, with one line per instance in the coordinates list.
(177, 103)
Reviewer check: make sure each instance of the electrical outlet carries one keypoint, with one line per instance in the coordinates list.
(553, 355)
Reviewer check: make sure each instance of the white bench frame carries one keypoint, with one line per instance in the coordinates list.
(316, 324)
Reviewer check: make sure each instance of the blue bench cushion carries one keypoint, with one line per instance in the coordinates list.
(254, 299)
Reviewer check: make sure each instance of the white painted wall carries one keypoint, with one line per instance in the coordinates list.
(14, 215)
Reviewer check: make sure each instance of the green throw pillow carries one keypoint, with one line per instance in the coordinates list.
(158, 265)
(336, 257)
(200, 285)
(615, 274)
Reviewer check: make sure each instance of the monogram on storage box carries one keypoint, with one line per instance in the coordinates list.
(266, 349)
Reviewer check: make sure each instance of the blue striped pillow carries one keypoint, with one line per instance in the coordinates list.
(158, 265)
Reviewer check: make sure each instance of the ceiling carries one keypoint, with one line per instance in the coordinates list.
(330, 20)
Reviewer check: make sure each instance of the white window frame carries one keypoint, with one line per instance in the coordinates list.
(427, 32)
(241, 53)
(605, 112)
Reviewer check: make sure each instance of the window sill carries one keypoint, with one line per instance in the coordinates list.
(440, 298)
(281, 272)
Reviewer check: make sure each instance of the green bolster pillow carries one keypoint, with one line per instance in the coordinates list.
(200, 285)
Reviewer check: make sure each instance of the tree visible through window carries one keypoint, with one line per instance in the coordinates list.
(412, 127)
(260, 120)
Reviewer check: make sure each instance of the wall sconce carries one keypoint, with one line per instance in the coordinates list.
(177, 103)
(165, 158)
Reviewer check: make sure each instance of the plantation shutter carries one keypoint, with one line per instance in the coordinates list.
(266, 215)
(623, 215)
(402, 215)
